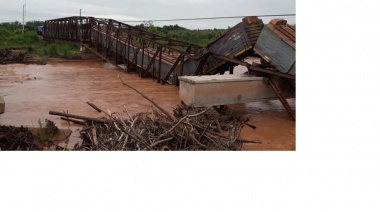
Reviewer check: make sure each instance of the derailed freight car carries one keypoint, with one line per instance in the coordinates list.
(236, 43)
(277, 45)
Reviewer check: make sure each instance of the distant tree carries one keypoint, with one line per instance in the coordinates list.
(141, 26)
(200, 37)
(147, 24)
(153, 29)
(32, 25)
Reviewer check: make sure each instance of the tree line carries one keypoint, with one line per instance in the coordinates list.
(201, 37)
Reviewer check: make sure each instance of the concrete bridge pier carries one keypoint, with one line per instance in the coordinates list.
(213, 90)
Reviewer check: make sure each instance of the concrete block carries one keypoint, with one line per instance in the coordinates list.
(212, 90)
(2, 105)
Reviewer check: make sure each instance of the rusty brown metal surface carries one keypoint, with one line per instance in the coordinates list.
(277, 46)
(281, 97)
(255, 67)
(251, 20)
(284, 31)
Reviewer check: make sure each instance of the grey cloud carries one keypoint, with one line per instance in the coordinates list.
(148, 9)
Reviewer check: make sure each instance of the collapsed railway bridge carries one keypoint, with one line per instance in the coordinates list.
(132, 49)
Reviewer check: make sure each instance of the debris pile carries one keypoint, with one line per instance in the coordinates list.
(192, 129)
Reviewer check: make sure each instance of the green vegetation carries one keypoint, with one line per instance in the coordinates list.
(199, 37)
(12, 36)
(45, 133)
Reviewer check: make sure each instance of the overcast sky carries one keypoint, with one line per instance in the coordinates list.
(127, 10)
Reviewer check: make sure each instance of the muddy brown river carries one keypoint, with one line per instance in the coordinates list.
(30, 91)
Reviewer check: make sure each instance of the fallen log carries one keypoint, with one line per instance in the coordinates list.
(74, 121)
(149, 99)
(52, 112)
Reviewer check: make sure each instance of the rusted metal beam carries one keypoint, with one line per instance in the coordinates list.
(159, 66)
(142, 59)
(97, 40)
(281, 97)
(172, 69)
(135, 55)
(180, 69)
(129, 44)
(77, 31)
(116, 45)
(201, 63)
(152, 60)
(254, 67)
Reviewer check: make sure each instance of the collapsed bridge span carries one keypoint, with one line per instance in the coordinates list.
(133, 49)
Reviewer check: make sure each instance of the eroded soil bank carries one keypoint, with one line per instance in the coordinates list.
(30, 91)
(20, 55)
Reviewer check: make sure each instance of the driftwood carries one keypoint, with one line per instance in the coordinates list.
(94, 106)
(195, 129)
(57, 113)
(149, 99)
(74, 121)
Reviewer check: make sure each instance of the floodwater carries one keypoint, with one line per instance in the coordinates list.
(30, 91)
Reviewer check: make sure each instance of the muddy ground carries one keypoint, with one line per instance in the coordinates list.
(20, 55)
(30, 91)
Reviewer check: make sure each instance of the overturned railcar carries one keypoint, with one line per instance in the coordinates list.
(237, 43)
(277, 45)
